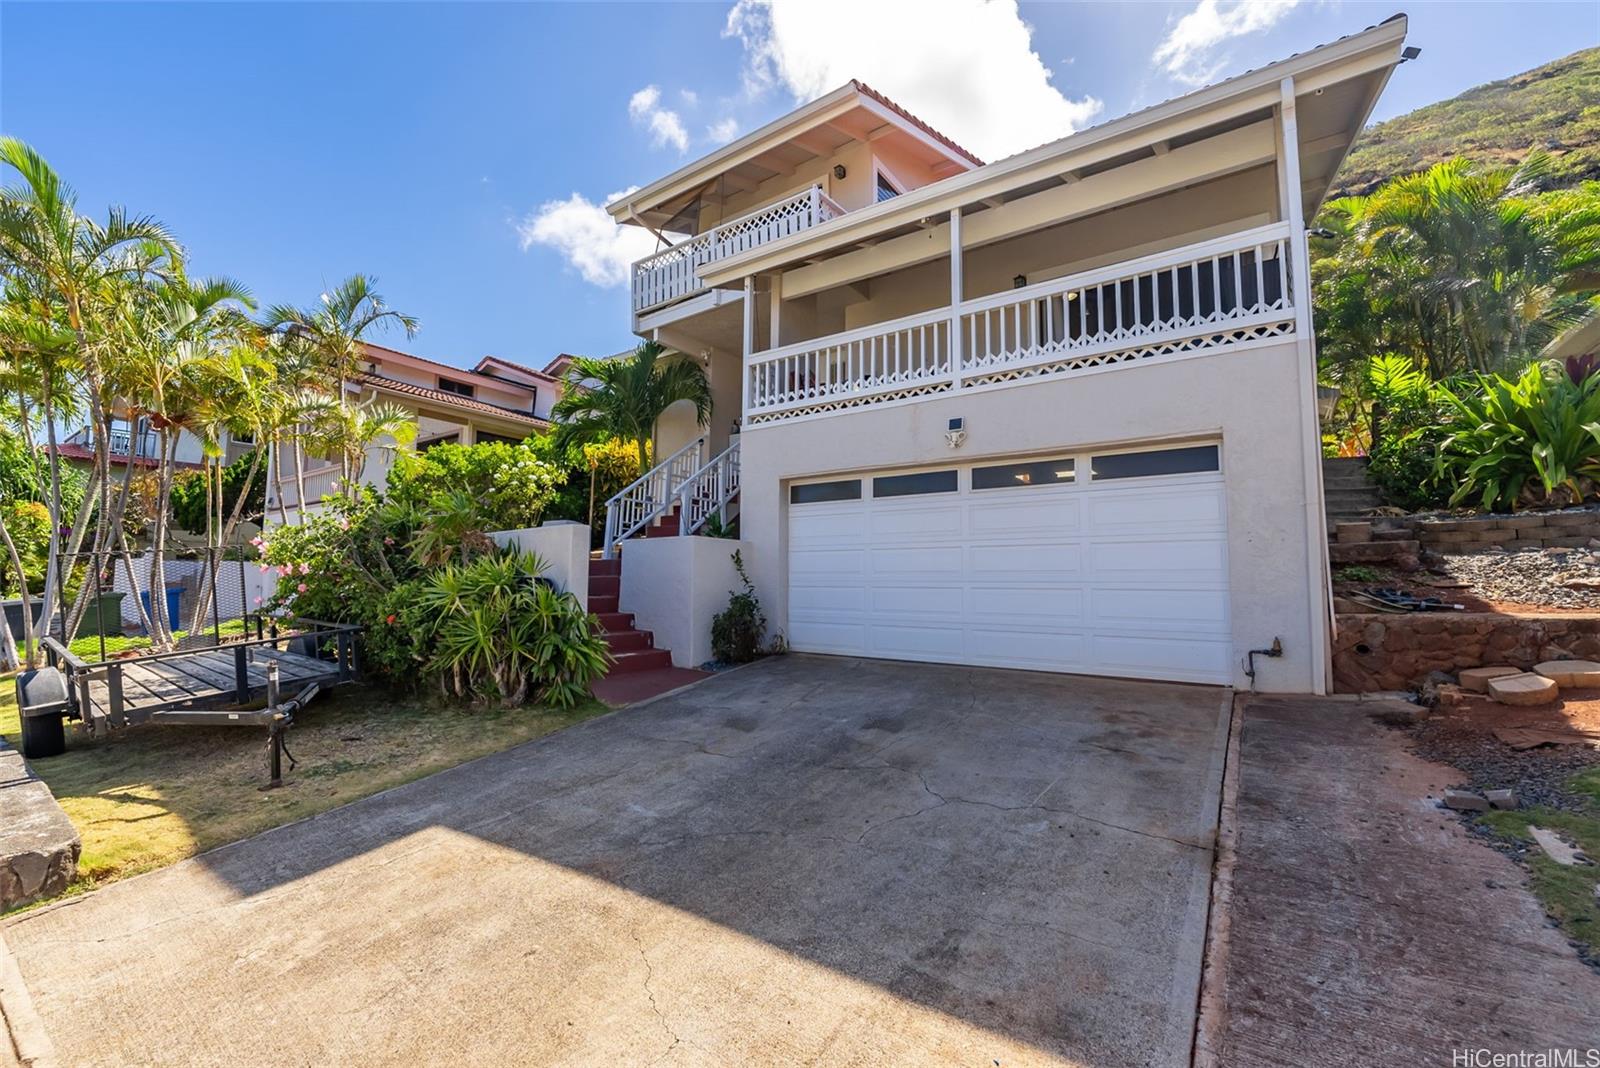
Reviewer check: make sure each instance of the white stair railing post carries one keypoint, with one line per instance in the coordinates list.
(609, 548)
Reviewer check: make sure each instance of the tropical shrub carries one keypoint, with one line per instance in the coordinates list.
(500, 634)
(738, 631)
(189, 494)
(513, 484)
(339, 561)
(28, 523)
(1405, 433)
(1528, 440)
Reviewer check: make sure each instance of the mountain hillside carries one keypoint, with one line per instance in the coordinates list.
(1556, 107)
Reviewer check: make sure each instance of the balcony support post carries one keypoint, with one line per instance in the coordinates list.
(1291, 203)
(956, 291)
(749, 343)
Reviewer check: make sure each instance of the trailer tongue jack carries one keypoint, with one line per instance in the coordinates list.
(277, 717)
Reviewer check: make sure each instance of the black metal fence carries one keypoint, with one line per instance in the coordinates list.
(114, 603)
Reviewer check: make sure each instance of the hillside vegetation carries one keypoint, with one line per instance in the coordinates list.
(1555, 107)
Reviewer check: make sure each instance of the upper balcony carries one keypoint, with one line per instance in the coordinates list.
(1229, 292)
(672, 275)
(846, 151)
(123, 441)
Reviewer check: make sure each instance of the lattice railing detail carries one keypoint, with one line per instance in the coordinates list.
(1227, 291)
(672, 274)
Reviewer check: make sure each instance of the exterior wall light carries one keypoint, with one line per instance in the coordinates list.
(1019, 281)
(839, 171)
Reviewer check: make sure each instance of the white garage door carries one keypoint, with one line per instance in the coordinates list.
(1111, 563)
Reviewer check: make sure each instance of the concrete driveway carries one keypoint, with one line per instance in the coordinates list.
(809, 860)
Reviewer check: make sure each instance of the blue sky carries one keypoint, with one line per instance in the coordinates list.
(458, 151)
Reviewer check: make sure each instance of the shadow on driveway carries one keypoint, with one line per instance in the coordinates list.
(808, 859)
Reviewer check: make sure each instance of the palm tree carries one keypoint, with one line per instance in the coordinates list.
(625, 398)
(335, 331)
(1461, 265)
(348, 431)
(64, 260)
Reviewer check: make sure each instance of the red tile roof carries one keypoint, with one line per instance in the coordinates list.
(394, 385)
(80, 452)
(921, 125)
(524, 368)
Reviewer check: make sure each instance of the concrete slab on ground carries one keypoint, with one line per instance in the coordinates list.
(809, 860)
(39, 847)
(1366, 926)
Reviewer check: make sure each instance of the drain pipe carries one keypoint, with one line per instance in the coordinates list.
(1250, 662)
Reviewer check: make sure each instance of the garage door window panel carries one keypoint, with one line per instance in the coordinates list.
(1147, 464)
(1023, 475)
(824, 492)
(912, 485)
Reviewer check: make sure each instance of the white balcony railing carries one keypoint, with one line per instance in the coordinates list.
(672, 274)
(650, 496)
(709, 491)
(320, 482)
(1194, 299)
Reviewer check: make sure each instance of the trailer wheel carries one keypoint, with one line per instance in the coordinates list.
(42, 701)
(43, 736)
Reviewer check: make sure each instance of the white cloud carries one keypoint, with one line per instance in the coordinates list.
(1189, 50)
(722, 131)
(587, 238)
(666, 128)
(690, 97)
(967, 67)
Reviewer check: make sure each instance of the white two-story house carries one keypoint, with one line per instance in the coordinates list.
(1056, 411)
(494, 400)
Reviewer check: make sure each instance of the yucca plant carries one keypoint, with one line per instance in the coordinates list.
(502, 634)
(1529, 440)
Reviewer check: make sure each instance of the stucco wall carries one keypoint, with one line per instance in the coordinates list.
(563, 546)
(675, 586)
(1247, 397)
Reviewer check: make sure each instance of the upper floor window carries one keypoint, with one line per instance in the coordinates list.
(460, 389)
(886, 188)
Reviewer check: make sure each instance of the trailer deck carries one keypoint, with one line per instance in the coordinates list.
(121, 692)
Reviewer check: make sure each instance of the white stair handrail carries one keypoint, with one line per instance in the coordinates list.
(649, 496)
(708, 491)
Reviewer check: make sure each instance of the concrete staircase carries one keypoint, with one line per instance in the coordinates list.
(633, 649)
(1347, 492)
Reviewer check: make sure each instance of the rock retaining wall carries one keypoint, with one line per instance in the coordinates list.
(38, 845)
(1391, 651)
(1551, 530)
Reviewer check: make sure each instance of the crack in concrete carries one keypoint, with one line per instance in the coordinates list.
(699, 747)
(649, 974)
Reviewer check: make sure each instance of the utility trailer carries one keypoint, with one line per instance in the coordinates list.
(195, 687)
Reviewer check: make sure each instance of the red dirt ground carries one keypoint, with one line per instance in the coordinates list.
(1576, 711)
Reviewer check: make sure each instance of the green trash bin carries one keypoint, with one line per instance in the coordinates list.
(104, 615)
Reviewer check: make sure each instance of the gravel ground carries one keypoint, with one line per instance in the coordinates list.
(1537, 775)
(1559, 578)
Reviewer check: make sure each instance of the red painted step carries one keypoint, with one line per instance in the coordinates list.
(641, 660)
(612, 621)
(633, 651)
(628, 641)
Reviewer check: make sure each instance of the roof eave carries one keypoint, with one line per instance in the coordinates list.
(1238, 95)
(848, 95)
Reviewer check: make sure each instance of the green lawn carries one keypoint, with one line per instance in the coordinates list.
(148, 796)
(1567, 894)
(88, 646)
